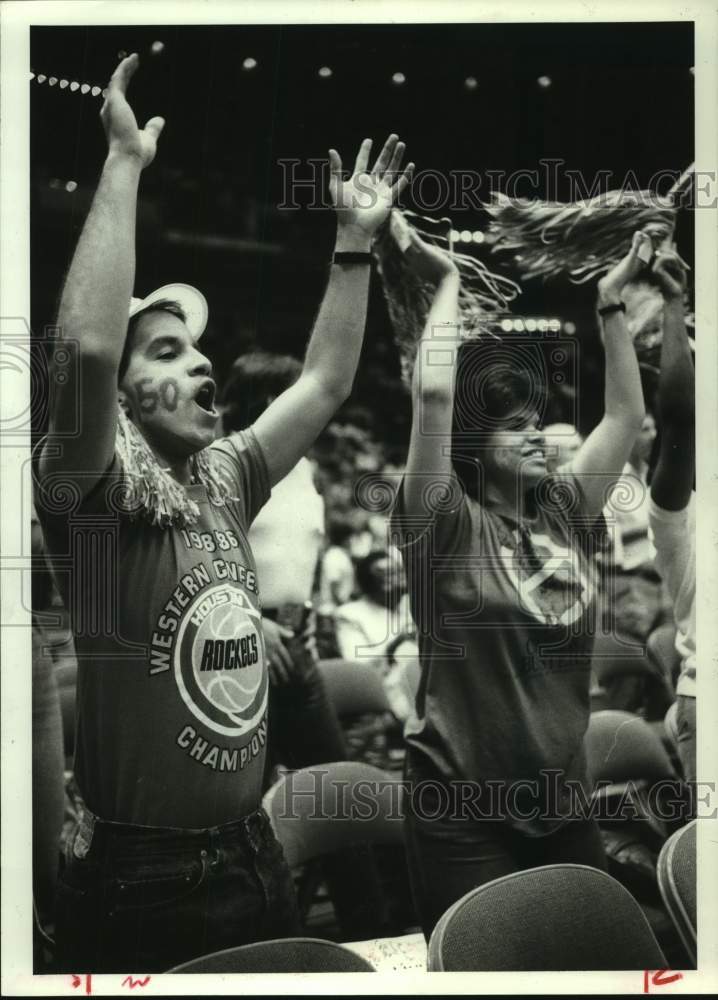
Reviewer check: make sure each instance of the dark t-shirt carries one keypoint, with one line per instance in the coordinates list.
(504, 615)
(172, 679)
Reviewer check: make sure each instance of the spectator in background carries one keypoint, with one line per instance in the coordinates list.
(672, 502)
(631, 591)
(286, 537)
(635, 600)
(630, 560)
(633, 552)
(368, 625)
(336, 584)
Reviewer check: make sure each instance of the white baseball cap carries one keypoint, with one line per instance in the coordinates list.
(190, 299)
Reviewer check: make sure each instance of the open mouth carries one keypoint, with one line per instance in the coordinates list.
(535, 453)
(204, 397)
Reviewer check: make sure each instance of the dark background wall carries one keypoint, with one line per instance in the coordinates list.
(620, 99)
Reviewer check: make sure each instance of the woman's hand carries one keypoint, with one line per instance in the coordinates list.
(124, 137)
(363, 202)
(429, 262)
(612, 284)
(670, 270)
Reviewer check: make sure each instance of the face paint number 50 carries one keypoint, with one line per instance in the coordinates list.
(166, 394)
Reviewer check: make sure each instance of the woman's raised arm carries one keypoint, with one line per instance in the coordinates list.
(429, 459)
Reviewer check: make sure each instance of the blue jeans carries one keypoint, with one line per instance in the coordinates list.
(48, 783)
(448, 855)
(144, 899)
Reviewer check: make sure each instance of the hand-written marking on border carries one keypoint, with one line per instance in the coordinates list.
(127, 981)
(659, 978)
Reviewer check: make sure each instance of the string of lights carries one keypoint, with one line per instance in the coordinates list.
(542, 324)
(72, 86)
(249, 63)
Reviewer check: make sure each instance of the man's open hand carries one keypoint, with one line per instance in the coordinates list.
(124, 137)
(363, 201)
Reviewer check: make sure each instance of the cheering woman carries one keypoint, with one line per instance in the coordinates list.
(498, 554)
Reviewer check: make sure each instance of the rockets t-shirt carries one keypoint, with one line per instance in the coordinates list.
(504, 614)
(171, 723)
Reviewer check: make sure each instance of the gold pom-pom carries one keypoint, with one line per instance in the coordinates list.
(151, 491)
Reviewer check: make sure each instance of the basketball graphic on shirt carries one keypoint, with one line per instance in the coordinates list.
(226, 694)
(219, 661)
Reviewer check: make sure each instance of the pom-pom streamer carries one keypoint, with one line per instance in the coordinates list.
(582, 239)
(151, 491)
(482, 294)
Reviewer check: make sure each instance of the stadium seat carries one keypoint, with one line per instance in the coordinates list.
(677, 882)
(670, 724)
(631, 677)
(661, 649)
(323, 809)
(623, 747)
(285, 955)
(627, 756)
(342, 823)
(354, 687)
(556, 918)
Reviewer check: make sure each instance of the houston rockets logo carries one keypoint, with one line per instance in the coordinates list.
(549, 580)
(219, 661)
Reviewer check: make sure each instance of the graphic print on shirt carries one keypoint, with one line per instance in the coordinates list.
(549, 580)
(219, 661)
(209, 636)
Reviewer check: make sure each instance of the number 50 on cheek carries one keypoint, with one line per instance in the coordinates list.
(149, 397)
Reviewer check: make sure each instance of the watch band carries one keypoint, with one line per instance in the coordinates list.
(352, 257)
(614, 307)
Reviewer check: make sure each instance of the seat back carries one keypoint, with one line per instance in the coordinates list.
(561, 917)
(611, 657)
(622, 747)
(677, 882)
(670, 725)
(661, 649)
(285, 955)
(322, 809)
(353, 687)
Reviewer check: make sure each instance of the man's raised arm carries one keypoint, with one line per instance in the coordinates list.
(95, 300)
(288, 427)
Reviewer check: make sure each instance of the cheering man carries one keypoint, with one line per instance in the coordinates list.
(147, 518)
